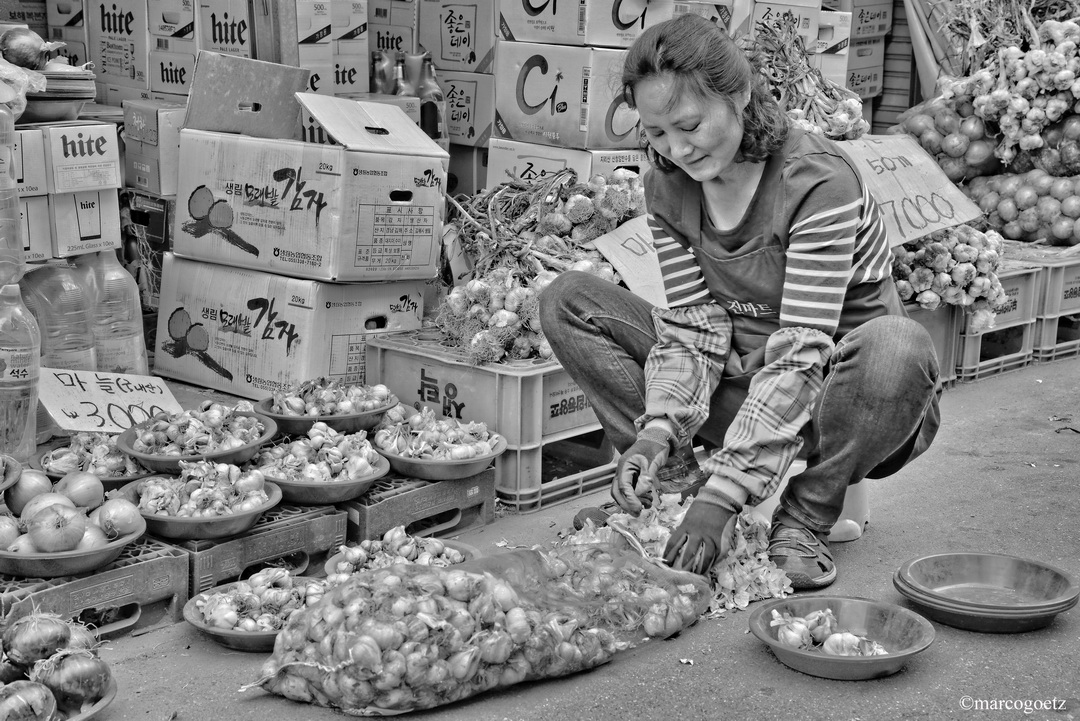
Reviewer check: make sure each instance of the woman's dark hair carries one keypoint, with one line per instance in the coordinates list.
(704, 60)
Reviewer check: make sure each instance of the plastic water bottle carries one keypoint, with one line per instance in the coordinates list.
(117, 322)
(11, 240)
(56, 293)
(20, 359)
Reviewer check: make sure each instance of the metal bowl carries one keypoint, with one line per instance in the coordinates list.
(290, 425)
(990, 580)
(902, 632)
(110, 483)
(171, 464)
(443, 470)
(252, 641)
(66, 563)
(44, 110)
(187, 529)
(971, 618)
(314, 493)
(469, 552)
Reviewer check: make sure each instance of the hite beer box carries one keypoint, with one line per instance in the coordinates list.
(250, 333)
(363, 201)
(562, 96)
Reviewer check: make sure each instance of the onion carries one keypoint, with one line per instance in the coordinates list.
(31, 483)
(44, 500)
(22, 544)
(82, 637)
(35, 637)
(84, 488)
(118, 517)
(93, 537)
(26, 701)
(77, 678)
(9, 530)
(57, 528)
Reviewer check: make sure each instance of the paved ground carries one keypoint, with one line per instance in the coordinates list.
(1003, 476)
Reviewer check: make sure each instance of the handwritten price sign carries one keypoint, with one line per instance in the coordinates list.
(915, 195)
(103, 402)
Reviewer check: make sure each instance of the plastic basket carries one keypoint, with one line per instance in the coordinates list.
(1059, 285)
(995, 351)
(943, 325)
(1057, 337)
(528, 402)
(1020, 280)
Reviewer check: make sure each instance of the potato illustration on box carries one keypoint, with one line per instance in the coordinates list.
(189, 338)
(213, 215)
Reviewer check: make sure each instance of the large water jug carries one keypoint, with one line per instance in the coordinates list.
(56, 293)
(117, 322)
(11, 236)
(20, 354)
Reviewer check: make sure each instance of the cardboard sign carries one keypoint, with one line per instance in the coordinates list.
(915, 195)
(103, 402)
(629, 248)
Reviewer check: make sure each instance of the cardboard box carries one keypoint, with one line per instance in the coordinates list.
(115, 95)
(172, 66)
(351, 51)
(84, 222)
(562, 96)
(31, 13)
(468, 170)
(408, 104)
(226, 27)
(869, 18)
(75, 41)
(36, 228)
(28, 162)
(470, 106)
(393, 25)
(720, 13)
(233, 94)
(81, 156)
(152, 145)
(169, 98)
(119, 42)
(508, 159)
(64, 13)
(866, 67)
(150, 230)
(603, 23)
(459, 35)
(298, 33)
(806, 16)
(833, 46)
(369, 208)
(172, 18)
(265, 332)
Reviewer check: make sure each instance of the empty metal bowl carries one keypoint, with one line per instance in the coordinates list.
(901, 631)
(990, 580)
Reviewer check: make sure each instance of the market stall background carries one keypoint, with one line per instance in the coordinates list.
(178, 182)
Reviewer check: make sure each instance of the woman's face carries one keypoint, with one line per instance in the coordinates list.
(701, 137)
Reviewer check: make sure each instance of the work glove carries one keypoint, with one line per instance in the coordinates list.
(637, 468)
(704, 536)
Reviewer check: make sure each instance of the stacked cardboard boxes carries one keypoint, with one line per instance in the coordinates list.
(68, 176)
(870, 23)
(289, 253)
(900, 89)
(558, 99)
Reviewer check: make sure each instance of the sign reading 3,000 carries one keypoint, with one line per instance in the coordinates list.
(915, 195)
(80, 400)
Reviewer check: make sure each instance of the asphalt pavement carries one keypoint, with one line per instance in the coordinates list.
(1003, 476)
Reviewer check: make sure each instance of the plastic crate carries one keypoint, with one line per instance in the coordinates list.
(528, 402)
(521, 485)
(147, 572)
(283, 531)
(1020, 280)
(1057, 337)
(425, 508)
(995, 351)
(943, 325)
(1059, 285)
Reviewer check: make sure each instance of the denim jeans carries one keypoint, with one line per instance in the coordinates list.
(877, 410)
